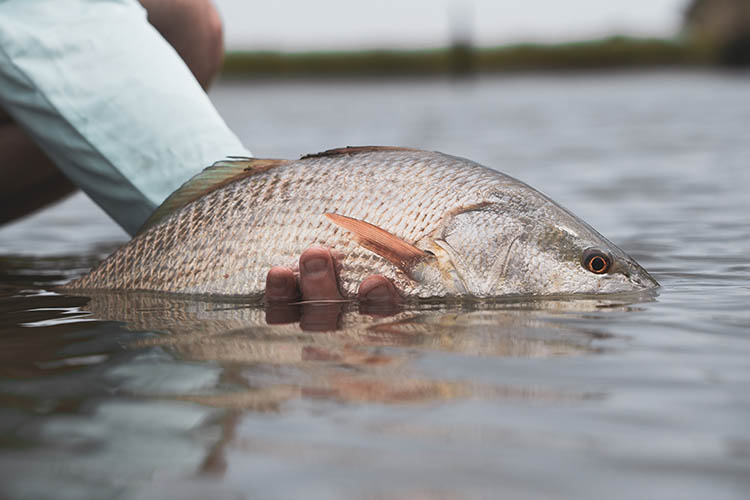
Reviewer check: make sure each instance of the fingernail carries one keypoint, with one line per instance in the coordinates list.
(315, 265)
(379, 292)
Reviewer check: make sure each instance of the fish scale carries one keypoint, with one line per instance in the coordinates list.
(224, 237)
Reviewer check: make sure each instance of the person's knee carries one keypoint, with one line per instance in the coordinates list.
(194, 29)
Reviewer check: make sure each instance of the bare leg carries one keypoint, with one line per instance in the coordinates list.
(29, 181)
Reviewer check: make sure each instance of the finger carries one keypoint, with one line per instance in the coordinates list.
(281, 285)
(378, 297)
(317, 275)
(378, 290)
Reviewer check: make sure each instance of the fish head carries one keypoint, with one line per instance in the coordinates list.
(519, 242)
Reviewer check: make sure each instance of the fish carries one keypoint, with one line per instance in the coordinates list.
(436, 225)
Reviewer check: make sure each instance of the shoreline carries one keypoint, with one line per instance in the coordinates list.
(464, 60)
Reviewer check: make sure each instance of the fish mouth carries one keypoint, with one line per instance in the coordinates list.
(649, 281)
(633, 272)
(642, 279)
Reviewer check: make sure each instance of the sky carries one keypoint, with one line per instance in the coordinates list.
(293, 25)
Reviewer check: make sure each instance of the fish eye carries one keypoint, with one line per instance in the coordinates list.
(596, 261)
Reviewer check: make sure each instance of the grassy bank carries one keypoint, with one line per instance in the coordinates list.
(608, 53)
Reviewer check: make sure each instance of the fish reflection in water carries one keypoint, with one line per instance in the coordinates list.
(336, 352)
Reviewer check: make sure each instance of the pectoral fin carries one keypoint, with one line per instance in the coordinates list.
(402, 254)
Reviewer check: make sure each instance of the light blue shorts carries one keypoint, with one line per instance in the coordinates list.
(108, 100)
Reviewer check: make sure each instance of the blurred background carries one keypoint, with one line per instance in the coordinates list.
(293, 37)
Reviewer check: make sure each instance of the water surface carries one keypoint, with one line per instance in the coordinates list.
(142, 396)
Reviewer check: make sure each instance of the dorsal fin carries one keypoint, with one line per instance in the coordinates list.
(354, 150)
(210, 179)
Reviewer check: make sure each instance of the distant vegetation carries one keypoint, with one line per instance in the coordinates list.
(616, 52)
(714, 32)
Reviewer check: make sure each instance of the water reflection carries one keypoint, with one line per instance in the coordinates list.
(335, 351)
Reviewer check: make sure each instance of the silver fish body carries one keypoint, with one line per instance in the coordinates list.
(480, 232)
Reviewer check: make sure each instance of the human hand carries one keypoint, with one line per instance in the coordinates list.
(317, 281)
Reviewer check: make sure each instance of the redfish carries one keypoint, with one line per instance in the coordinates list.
(435, 224)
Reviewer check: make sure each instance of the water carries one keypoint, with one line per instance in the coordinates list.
(142, 397)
